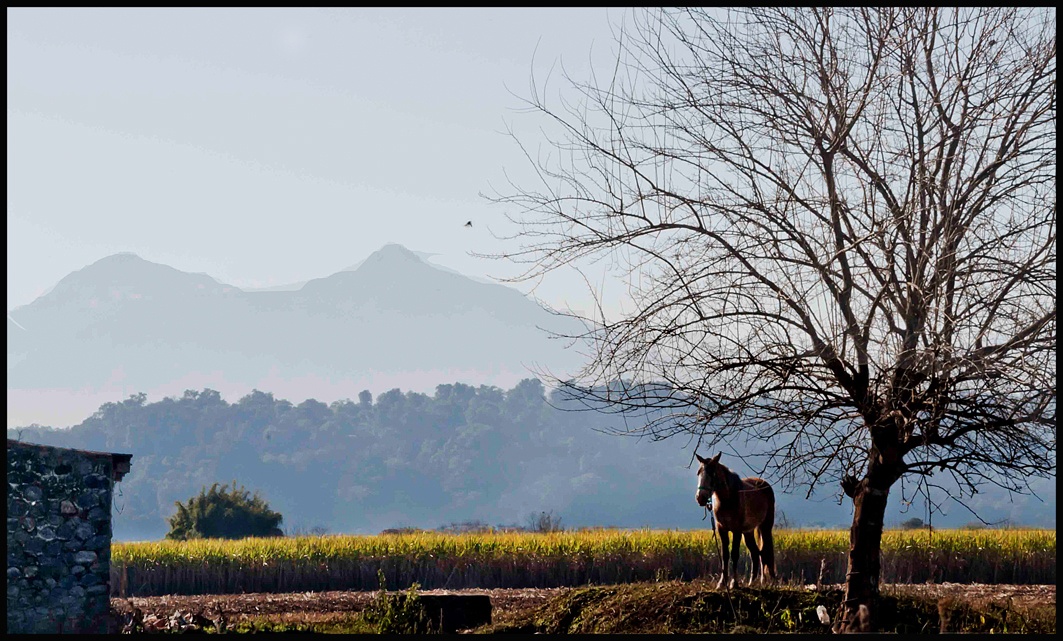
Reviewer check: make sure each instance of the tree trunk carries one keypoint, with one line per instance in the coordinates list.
(865, 544)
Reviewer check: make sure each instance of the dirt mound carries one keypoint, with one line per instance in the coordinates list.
(697, 607)
(673, 606)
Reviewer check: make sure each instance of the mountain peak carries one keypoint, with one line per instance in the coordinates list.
(127, 265)
(120, 257)
(394, 252)
(391, 259)
(126, 274)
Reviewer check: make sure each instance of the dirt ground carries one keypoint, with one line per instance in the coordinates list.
(326, 606)
(309, 607)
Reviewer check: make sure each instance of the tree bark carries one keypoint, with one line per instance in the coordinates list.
(865, 542)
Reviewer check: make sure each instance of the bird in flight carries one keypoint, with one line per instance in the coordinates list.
(468, 224)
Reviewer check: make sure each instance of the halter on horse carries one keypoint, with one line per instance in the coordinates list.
(745, 507)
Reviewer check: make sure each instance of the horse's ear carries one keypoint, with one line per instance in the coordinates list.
(716, 459)
(702, 460)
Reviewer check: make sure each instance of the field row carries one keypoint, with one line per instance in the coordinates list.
(511, 560)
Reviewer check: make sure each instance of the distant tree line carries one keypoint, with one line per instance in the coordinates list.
(463, 454)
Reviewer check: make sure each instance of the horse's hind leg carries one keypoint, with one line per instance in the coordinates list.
(754, 556)
(767, 553)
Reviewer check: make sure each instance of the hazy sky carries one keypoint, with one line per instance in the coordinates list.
(267, 146)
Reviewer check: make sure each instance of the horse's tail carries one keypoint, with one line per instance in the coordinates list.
(770, 520)
(765, 538)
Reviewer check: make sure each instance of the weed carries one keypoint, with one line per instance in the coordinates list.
(401, 613)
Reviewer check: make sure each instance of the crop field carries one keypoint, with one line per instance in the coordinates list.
(571, 558)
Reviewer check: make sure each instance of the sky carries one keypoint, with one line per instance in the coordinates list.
(271, 146)
(276, 145)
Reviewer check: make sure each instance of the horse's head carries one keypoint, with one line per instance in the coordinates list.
(708, 478)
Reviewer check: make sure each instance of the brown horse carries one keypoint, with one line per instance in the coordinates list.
(744, 507)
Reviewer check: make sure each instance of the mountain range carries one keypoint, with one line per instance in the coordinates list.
(454, 428)
(125, 325)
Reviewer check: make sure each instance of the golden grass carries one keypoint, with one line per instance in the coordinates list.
(488, 560)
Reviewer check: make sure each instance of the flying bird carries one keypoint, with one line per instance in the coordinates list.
(468, 224)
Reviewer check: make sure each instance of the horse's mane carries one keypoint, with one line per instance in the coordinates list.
(733, 481)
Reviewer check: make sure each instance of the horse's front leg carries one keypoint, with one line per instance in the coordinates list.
(734, 559)
(724, 536)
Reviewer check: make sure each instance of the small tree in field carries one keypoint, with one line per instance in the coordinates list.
(914, 523)
(839, 228)
(544, 522)
(224, 513)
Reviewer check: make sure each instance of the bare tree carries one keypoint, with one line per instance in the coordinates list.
(838, 229)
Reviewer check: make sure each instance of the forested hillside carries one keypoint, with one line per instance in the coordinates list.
(402, 459)
(415, 460)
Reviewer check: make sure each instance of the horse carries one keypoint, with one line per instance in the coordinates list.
(744, 507)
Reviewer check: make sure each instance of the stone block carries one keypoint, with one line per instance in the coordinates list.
(99, 514)
(66, 531)
(33, 546)
(16, 508)
(90, 579)
(85, 531)
(96, 481)
(452, 612)
(85, 557)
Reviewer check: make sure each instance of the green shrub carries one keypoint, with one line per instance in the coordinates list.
(225, 513)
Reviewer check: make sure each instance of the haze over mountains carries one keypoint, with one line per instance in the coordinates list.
(125, 325)
(465, 435)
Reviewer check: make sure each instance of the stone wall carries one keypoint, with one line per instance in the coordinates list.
(59, 537)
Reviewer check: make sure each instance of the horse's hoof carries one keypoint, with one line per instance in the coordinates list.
(719, 586)
(731, 585)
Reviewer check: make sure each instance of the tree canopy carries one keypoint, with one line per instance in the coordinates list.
(228, 512)
(838, 230)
